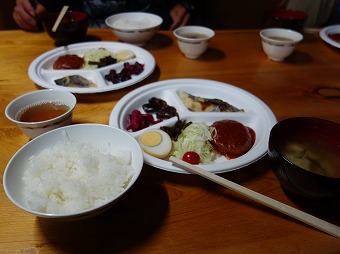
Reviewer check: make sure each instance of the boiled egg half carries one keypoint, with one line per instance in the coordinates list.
(156, 143)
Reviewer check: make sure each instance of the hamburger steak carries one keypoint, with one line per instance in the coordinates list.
(231, 138)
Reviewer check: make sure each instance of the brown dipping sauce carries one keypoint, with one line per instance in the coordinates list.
(68, 62)
(42, 111)
(283, 39)
(195, 36)
(231, 138)
(335, 37)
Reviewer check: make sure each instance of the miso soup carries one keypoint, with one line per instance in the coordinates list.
(313, 159)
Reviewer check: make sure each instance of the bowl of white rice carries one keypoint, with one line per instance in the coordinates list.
(134, 27)
(73, 172)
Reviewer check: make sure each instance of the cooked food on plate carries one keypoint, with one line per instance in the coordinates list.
(192, 141)
(156, 143)
(138, 121)
(92, 59)
(175, 130)
(68, 62)
(195, 138)
(231, 138)
(160, 107)
(197, 142)
(125, 74)
(199, 104)
(335, 37)
(74, 81)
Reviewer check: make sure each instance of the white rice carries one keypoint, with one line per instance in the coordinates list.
(125, 23)
(72, 177)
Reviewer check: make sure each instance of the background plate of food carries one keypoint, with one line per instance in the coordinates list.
(223, 126)
(92, 67)
(331, 35)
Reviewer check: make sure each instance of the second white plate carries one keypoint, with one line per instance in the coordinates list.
(41, 72)
(257, 115)
(326, 31)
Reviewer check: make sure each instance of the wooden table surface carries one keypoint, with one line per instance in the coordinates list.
(175, 213)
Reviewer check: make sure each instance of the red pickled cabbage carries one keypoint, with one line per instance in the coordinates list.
(138, 121)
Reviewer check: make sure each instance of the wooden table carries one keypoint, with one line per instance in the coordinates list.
(175, 213)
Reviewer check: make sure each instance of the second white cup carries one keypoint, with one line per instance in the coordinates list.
(193, 41)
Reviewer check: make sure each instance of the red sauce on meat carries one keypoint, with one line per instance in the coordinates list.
(231, 138)
(335, 37)
(68, 62)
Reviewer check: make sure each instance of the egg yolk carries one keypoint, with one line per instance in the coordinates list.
(151, 139)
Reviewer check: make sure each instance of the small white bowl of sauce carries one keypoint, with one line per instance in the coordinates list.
(41, 111)
(193, 41)
(279, 43)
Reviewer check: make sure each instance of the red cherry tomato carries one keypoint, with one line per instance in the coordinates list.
(191, 157)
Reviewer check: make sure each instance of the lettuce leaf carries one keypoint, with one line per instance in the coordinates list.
(195, 138)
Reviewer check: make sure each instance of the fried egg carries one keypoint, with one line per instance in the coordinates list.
(156, 143)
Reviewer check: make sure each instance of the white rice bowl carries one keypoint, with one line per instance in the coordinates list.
(134, 27)
(73, 172)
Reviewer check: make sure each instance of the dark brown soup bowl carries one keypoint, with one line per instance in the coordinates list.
(305, 157)
(72, 28)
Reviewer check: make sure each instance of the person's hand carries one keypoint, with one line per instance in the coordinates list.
(180, 16)
(26, 14)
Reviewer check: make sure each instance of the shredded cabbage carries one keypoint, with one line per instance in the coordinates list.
(195, 138)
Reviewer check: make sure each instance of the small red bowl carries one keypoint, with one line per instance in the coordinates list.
(72, 28)
(287, 14)
(285, 18)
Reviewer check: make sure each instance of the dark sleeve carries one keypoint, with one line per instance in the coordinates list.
(56, 5)
(189, 5)
(52, 5)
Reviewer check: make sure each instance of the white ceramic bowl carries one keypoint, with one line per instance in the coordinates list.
(279, 43)
(34, 129)
(103, 137)
(193, 41)
(134, 27)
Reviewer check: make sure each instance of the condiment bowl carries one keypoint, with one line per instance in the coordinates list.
(304, 153)
(134, 27)
(193, 41)
(37, 120)
(74, 172)
(72, 28)
(279, 43)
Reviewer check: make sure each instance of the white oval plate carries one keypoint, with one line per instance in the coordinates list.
(324, 34)
(257, 115)
(42, 73)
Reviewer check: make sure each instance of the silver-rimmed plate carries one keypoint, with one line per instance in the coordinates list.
(257, 115)
(42, 73)
(326, 31)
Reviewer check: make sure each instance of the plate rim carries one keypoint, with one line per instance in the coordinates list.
(324, 36)
(115, 116)
(35, 77)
